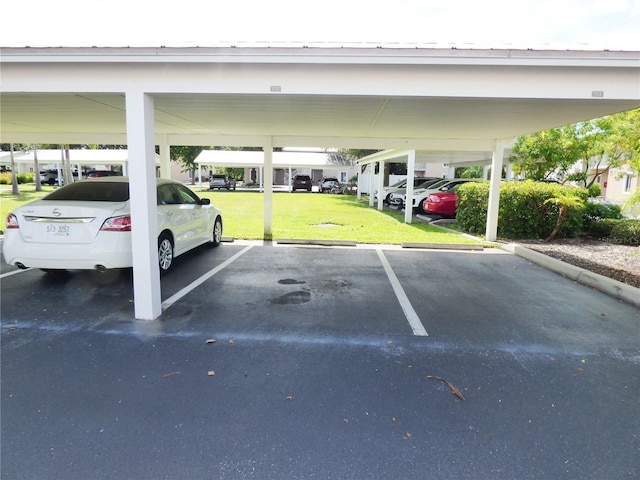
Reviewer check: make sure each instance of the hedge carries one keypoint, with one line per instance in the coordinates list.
(522, 212)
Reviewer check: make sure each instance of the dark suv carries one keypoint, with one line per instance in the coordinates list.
(302, 182)
(220, 181)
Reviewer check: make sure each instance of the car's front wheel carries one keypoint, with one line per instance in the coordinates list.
(217, 232)
(165, 252)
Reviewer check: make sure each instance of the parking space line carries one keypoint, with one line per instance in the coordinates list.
(181, 293)
(13, 272)
(409, 312)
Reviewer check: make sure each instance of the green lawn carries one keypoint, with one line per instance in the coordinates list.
(322, 217)
(296, 215)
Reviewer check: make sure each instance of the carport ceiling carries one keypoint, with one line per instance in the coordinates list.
(36, 115)
(361, 98)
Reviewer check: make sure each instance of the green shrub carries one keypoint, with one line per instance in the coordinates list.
(601, 228)
(522, 212)
(597, 211)
(24, 178)
(626, 232)
(595, 190)
(5, 178)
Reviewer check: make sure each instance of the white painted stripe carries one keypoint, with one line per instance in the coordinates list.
(177, 296)
(8, 274)
(409, 312)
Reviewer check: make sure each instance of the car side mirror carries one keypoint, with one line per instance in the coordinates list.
(205, 201)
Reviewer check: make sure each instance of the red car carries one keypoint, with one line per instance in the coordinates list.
(441, 203)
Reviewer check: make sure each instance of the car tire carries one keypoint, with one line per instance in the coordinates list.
(217, 232)
(51, 181)
(423, 206)
(165, 252)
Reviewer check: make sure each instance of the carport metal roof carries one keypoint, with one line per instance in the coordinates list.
(380, 98)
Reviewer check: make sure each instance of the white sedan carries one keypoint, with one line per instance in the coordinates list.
(87, 225)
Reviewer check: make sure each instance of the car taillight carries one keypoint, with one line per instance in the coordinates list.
(117, 224)
(433, 199)
(12, 221)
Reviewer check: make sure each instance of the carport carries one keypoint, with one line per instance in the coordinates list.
(442, 100)
(254, 159)
(77, 158)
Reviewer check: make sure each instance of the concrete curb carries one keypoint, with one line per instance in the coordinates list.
(442, 246)
(327, 243)
(599, 282)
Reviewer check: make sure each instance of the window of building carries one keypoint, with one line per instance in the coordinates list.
(627, 183)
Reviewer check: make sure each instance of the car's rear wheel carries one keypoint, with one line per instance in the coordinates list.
(217, 232)
(165, 252)
(424, 207)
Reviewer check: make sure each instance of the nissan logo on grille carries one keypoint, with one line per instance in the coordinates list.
(56, 212)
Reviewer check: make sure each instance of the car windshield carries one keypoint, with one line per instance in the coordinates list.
(428, 183)
(92, 192)
(438, 184)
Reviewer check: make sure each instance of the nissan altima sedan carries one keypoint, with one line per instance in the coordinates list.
(87, 225)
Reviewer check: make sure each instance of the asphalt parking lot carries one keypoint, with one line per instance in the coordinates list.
(274, 362)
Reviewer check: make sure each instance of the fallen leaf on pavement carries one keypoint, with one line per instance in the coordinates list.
(211, 340)
(211, 373)
(290, 397)
(453, 389)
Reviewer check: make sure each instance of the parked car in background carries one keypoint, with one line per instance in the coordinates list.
(400, 186)
(50, 177)
(102, 173)
(221, 181)
(441, 203)
(87, 225)
(302, 182)
(328, 184)
(398, 198)
(420, 195)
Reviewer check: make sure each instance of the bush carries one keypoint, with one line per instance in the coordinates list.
(24, 178)
(626, 232)
(595, 190)
(601, 228)
(598, 211)
(522, 213)
(6, 179)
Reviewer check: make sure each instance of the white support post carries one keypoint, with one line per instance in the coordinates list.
(494, 191)
(358, 189)
(144, 224)
(289, 183)
(372, 168)
(411, 167)
(165, 156)
(380, 204)
(268, 187)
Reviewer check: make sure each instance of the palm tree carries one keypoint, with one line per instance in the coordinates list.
(565, 201)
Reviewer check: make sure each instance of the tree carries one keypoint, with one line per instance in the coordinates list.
(565, 201)
(186, 155)
(600, 144)
(541, 155)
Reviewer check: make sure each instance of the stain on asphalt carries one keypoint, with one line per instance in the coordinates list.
(291, 281)
(292, 298)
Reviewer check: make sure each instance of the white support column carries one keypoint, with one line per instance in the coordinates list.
(372, 168)
(411, 167)
(380, 204)
(358, 189)
(494, 191)
(289, 182)
(142, 175)
(165, 156)
(268, 187)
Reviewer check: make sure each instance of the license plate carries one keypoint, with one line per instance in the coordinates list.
(61, 230)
